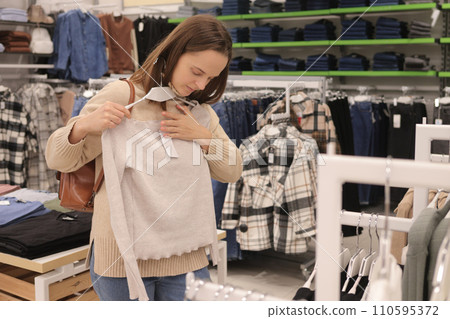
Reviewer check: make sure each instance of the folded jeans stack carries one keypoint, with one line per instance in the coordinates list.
(353, 62)
(231, 7)
(325, 62)
(292, 34)
(320, 4)
(240, 34)
(353, 3)
(292, 64)
(390, 28)
(293, 5)
(15, 41)
(356, 29)
(320, 30)
(265, 33)
(417, 63)
(266, 6)
(419, 29)
(214, 11)
(240, 64)
(388, 61)
(266, 62)
(386, 2)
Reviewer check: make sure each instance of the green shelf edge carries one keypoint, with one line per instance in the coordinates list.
(446, 6)
(340, 42)
(400, 7)
(343, 73)
(444, 40)
(284, 44)
(444, 74)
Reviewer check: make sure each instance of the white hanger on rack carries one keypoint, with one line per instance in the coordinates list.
(405, 99)
(355, 262)
(363, 94)
(366, 262)
(386, 274)
(445, 99)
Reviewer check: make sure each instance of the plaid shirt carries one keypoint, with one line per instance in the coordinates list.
(316, 119)
(273, 203)
(17, 140)
(39, 99)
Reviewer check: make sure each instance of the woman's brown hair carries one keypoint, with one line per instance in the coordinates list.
(197, 33)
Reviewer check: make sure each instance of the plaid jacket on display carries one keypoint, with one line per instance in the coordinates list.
(273, 204)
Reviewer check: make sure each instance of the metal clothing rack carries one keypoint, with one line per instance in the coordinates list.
(338, 170)
(319, 83)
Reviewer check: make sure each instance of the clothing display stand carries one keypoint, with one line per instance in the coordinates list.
(425, 134)
(53, 269)
(337, 170)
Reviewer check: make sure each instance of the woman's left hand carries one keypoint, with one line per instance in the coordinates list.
(185, 127)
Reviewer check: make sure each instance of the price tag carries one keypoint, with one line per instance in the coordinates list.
(4, 203)
(141, 26)
(397, 120)
(2, 105)
(438, 122)
(271, 158)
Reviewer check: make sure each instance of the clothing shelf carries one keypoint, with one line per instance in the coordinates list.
(340, 42)
(40, 55)
(28, 24)
(444, 40)
(343, 73)
(334, 11)
(444, 74)
(26, 66)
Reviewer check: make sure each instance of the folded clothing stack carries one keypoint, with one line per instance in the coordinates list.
(294, 5)
(266, 62)
(292, 34)
(320, 30)
(356, 29)
(240, 64)
(353, 62)
(417, 63)
(390, 28)
(388, 61)
(386, 2)
(419, 29)
(353, 3)
(15, 210)
(292, 64)
(265, 33)
(325, 62)
(186, 11)
(266, 6)
(214, 11)
(231, 7)
(320, 4)
(15, 41)
(13, 14)
(47, 234)
(240, 34)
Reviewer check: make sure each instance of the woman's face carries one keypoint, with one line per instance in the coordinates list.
(194, 70)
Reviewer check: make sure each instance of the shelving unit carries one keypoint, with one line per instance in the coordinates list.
(27, 24)
(343, 73)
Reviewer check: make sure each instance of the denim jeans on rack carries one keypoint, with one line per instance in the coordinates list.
(293, 34)
(386, 2)
(320, 4)
(363, 137)
(353, 62)
(293, 64)
(240, 34)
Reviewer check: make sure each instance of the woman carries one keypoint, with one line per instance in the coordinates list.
(161, 216)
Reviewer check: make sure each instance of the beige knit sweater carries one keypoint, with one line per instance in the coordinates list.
(66, 157)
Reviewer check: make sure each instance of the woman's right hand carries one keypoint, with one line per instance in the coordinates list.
(109, 115)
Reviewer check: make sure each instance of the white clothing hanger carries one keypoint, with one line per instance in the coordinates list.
(363, 95)
(355, 262)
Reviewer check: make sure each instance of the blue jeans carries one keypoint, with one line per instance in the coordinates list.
(169, 288)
